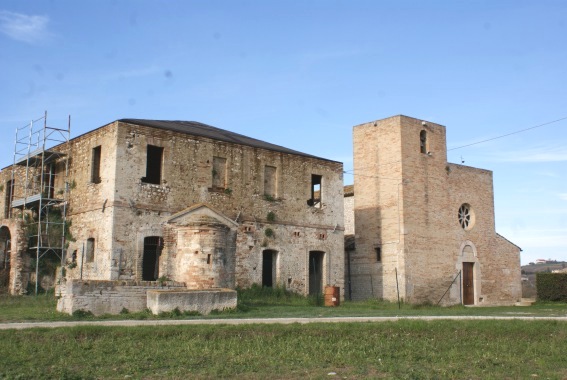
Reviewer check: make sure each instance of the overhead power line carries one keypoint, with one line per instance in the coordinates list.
(509, 134)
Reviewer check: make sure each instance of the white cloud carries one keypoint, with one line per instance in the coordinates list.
(563, 196)
(24, 28)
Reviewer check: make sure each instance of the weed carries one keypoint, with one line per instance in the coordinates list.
(269, 232)
(82, 314)
(269, 198)
(271, 216)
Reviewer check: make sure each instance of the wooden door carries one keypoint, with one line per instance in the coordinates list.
(468, 284)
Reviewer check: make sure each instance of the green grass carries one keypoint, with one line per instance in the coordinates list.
(401, 350)
(260, 302)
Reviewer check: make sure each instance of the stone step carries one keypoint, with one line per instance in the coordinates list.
(525, 302)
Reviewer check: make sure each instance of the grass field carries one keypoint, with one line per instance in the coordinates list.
(401, 350)
(266, 303)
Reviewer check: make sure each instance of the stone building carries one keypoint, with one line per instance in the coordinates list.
(423, 228)
(194, 204)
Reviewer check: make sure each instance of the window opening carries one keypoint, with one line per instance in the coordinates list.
(423, 141)
(90, 251)
(9, 198)
(208, 258)
(154, 160)
(466, 216)
(270, 177)
(378, 251)
(219, 173)
(315, 200)
(95, 168)
(153, 246)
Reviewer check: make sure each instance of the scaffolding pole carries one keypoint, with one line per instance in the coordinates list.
(40, 188)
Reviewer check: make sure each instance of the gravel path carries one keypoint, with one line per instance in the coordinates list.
(170, 322)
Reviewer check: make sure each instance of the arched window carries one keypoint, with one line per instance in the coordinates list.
(423, 141)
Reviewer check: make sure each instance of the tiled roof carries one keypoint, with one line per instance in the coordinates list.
(203, 130)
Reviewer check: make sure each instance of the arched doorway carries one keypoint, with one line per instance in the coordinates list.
(5, 253)
(150, 261)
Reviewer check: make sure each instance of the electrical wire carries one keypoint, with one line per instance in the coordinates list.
(508, 134)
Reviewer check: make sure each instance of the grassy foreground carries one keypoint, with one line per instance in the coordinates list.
(401, 350)
(260, 302)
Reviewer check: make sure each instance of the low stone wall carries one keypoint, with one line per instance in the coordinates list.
(107, 297)
(202, 301)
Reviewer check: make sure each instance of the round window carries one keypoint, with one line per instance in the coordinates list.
(466, 216)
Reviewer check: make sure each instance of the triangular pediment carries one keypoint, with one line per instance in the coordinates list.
(199, 212)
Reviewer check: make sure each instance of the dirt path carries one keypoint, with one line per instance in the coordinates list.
(169, 322)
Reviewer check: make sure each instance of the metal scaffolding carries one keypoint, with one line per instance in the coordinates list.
(39, 187)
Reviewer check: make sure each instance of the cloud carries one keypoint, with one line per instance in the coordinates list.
(563, 196)
(25, 28)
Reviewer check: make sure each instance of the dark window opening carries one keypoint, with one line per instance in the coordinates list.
(95, 166)
(269, 261)
(154, 160)
(315, 200)
(270, 176)
(90, 250)
(378, 251)
(316, 272)
(153, 246)
(9, 198)
(423, 141)
(209, 258)
(74, 257)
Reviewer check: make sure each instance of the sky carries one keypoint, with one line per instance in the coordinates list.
(302, 73)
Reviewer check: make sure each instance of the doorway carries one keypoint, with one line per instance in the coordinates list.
(150, 261)
(468, 284)
(5, 252)
(316, 272)
(269, 265)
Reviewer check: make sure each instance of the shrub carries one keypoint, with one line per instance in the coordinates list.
(82, 314)
(551, 286)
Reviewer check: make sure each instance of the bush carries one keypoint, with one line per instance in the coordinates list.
(82, 314)
(551, 286)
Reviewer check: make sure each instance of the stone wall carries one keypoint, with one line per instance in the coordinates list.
(107, 297)
(19, 274)
(201, 301)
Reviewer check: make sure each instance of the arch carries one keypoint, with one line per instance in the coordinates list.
(467, 249)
